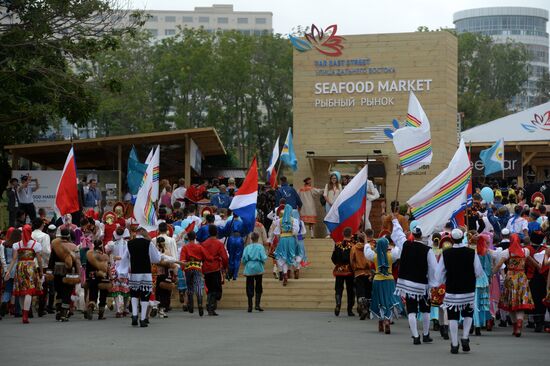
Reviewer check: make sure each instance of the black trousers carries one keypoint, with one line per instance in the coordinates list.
(254, 284)
(213, 282)
(48, 296)
(163, 296)
(62, 291)
(466, 312)
(350, 288)
(363, 287)
(537, 285)
(29, 209)
(417, 306)
(11, 217)
(94, 292)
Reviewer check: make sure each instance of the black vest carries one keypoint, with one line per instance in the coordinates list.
(139, 255)
(459, 264)
(414, 262)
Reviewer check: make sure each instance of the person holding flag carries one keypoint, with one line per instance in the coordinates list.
(288, 156)
(66, 194)
(271, 171)
(493, 158)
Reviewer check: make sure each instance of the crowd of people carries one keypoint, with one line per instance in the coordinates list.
(493, 268)
(65, 265)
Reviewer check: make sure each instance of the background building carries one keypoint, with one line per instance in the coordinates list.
(164, 23)
(519, 24)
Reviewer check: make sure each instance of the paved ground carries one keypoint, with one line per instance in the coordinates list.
(274, 338)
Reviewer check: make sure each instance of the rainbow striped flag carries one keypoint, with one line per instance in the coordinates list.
(434, 205)
(144, 208)
(413, 142)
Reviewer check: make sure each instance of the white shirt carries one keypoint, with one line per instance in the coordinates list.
(517, 226)
(44, 240)
(295, 227)
(178, 194)
(170, 244)
(370, 254)
(372, 191)
(399, 238)
(119, 248)
(37, 247)
(25, 195)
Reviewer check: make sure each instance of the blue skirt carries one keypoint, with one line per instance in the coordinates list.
(301, 250)
(286, 250)
(384, 302)
(182, 284)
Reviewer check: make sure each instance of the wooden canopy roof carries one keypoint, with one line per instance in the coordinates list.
(103, 153)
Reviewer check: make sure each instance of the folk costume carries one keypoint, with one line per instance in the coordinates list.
(141, 254)
(417, 273)
(482, 314)
(236, 232)
(343, 273)
(286, 228)
(65, 265)
(458, 271)
(437, 294)
(310, 198)
(301, 256)
(97, 272)
(537, 280)
(384, 301)
(27, 275)
(194, 255)
(363, 274)
(118, 249)
(254, 257)
(516, 295)
(212, 269)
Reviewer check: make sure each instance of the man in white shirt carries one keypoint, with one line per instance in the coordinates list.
(26, 201)
(518, 223)
(44, 239)
(372, 195)
(179, 193)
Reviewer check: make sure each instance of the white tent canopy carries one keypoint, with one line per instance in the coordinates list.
(532, 124)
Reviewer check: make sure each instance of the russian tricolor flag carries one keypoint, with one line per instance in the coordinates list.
(349, 207)
(244, 202)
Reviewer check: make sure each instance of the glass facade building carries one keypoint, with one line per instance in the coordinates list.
(518, 24)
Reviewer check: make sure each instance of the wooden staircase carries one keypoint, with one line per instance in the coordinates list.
(314, 290)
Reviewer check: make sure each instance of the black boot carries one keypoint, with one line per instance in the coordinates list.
(454, 349)
(445, 331)
(338, 305)
(477, 331)
(199, 306)
(426, 338)
(416, 340)
(190, 303)
(213, 304)
(249, 304)
(258, 299)
(436, 327)
(209, 304)
(4, 309)
(134, 321)
(465, 344)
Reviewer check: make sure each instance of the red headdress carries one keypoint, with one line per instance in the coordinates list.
(26, 233)
(481, 245)
(8, 233)
(515, 246)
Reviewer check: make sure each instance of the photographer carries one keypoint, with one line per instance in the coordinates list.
(26, 202)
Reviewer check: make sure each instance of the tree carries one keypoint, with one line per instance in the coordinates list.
(40, 44)
(543, 89)
(241, 85)
(489, 75)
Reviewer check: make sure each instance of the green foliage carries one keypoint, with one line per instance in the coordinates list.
(543, 89)
(241, 85)
(40, 43)
(489, 75)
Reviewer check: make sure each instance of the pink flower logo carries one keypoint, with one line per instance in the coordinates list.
(539, 122)
(325, 41)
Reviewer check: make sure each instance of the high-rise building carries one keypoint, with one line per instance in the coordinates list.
(519, 24)
(164, 23)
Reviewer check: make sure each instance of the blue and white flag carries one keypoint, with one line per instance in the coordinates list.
(287, 154)
(136, 170)
(493, 158)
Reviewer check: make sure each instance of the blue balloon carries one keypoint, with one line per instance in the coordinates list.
(487, 194)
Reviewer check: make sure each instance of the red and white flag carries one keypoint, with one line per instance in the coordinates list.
(66, 195)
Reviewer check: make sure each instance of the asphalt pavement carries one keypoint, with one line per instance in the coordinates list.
(274, 338)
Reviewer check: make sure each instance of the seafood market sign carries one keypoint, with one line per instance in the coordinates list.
(367, 92)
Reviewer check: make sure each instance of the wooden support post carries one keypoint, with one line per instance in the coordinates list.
(187, 161)
(120, 172)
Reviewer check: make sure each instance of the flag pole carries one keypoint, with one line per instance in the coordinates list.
(396, 209)
(467, 207)
(365, 217)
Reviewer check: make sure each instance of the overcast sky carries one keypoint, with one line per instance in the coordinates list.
(351, 16)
